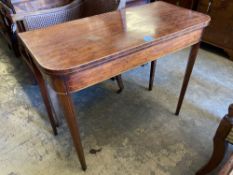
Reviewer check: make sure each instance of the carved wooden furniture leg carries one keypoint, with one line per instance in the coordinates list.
(189, 68)
(67, 104)
(152, 74)
(220, 143)
(120, 83)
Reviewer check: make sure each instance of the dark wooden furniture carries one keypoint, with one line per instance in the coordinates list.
(21, 7)
(26, 21)
(223, 136)
(103, 46)
(190, 4)
(220, 31)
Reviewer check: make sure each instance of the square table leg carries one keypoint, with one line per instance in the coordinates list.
(45, 95)
(50, 110)
(120, 83)
(152, 74)
(189, 68)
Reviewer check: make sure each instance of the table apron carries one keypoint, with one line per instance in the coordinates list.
(82, 79)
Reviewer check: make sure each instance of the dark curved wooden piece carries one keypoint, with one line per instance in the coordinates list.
(220, 143)
(104, 46)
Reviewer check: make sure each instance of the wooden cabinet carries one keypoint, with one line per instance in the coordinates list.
(220, 30)
(190, 4)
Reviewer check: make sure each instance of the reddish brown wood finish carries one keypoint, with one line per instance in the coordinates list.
(189, 68)
(81, 53)
(94, 40)
(67, 104)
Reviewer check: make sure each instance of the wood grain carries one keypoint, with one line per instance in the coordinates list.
(64, 48)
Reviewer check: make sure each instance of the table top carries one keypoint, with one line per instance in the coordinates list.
(66, 47)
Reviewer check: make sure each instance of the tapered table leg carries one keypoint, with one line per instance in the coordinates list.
(67, 104)
(189, 68)
(51, 113)
(44, 92)
(152, 74)
(120, 83)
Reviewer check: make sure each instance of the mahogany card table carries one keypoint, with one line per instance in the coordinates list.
(81, 53)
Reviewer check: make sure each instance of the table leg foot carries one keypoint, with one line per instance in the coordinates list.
(189, 68)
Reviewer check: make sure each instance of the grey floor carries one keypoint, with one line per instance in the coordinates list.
(137, 130)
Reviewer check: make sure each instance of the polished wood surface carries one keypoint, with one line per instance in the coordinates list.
(220, 31)
(81, 53)
(88, 41)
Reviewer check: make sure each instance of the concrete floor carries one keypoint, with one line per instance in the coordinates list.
(136, 129)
